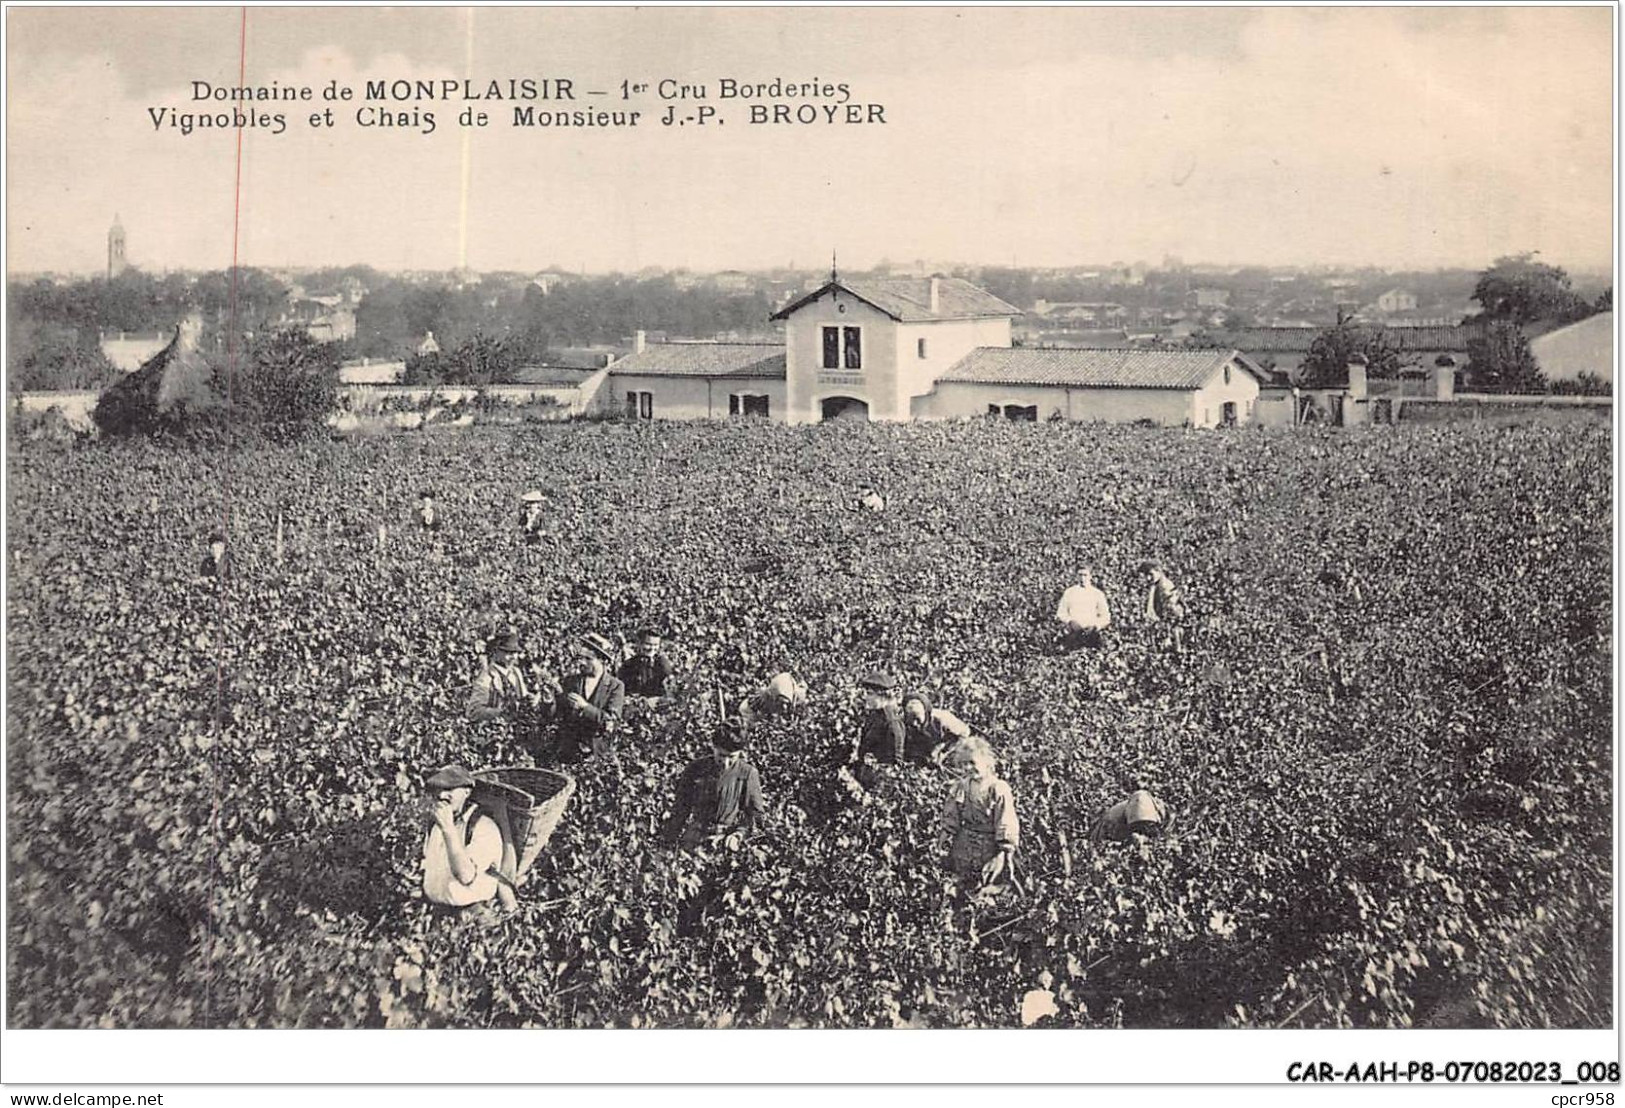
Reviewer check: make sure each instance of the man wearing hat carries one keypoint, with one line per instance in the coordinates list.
(463, 847)
(217, 562)
(718, 794)
(531, 517)
(588, 703)
(500, 690)
(428, 519)
(883, 734)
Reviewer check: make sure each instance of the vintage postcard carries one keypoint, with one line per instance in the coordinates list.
(635, 526)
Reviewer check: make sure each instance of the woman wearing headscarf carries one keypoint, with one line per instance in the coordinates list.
(928, 731)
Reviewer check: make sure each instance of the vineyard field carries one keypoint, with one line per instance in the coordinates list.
(1387, 742)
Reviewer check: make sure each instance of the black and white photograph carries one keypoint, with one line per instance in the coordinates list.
(634, 522)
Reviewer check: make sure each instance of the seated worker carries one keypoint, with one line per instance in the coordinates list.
(1141, 814)
(588, 703)
(882, 733)
(979, 832)
(719, 794)
(500, 691)
(928, 731)
(780, 698)
(647, 673)
(1083, 613)
(463, 847)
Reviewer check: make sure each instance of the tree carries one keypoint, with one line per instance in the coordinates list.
(1605, 300)
(51, 357)
(288, 388)
(1326, 363)
(1499, 360)
(1521, 290)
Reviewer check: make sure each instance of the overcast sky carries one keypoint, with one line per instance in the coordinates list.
(1401, 138)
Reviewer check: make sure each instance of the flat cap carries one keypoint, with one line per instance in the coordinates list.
(451, 777)
(878, 680)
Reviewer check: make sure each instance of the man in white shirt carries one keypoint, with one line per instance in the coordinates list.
(463, 847)
(1083, 613)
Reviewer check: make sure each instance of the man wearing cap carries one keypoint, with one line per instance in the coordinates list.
(500, 689)
(531, 518)
(1083, 613)
(588, 703)
(883, 734)
(718, 794)
(463, 847)
(217, 562)
(428, 519)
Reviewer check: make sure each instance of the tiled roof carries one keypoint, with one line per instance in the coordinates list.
(1297, 340)
(1105, 369)
(908, 299)
(705, 359)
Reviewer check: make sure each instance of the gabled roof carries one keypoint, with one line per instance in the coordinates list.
(1101, 369)
(705, 359)
(908, 299)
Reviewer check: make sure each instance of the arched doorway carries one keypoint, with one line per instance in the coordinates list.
(844, 407)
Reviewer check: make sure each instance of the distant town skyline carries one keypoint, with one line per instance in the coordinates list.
(1038, 138)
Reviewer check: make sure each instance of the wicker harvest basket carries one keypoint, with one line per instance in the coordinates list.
(535, 798)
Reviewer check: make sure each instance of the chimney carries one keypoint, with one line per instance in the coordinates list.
(640, 340)
(936, 295)
(1444, 378)
(1357, 377)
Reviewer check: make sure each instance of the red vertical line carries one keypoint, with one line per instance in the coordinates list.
(221, 691)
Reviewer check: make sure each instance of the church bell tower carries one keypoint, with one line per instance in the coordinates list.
(115, 250)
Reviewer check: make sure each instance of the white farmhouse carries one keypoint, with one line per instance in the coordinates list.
(924, 348)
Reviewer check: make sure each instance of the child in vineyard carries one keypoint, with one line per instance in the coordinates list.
(979, 832)
(1163, 604)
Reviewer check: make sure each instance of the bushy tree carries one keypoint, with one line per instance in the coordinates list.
(287, 388)
(1521, 290)
(53, 356)
(1326, 363)
(1499, 360)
